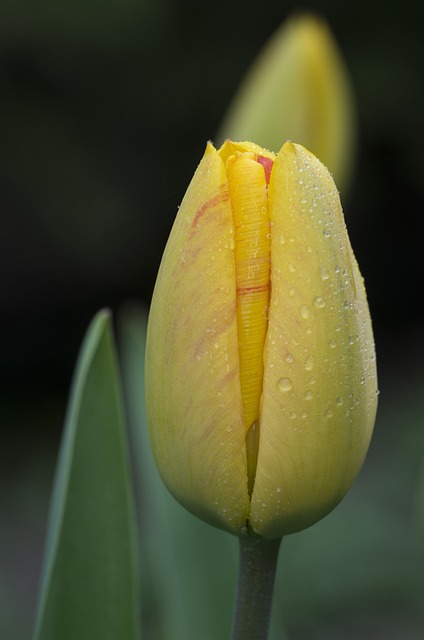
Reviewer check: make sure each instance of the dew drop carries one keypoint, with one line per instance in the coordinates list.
(332, 344)
(293, 415)
(339, 401)
(319, 302)
(292, 291)
(289, 357)
(278, 490)
(328, 413)
(304, 311)
(232, 244)
(292, 268)
(284, 384)
(216, 345)
(282, 239)
(309, 395)
(304, 415)
(324, 273)
(309, 363)
(326, 233)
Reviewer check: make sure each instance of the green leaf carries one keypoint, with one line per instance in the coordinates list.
(89, 580)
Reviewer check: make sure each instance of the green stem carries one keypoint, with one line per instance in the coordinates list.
(258, 563)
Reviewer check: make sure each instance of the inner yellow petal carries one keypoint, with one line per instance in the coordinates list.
(247, 188)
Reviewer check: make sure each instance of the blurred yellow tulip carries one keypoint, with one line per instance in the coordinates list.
(261, 386)
(299, 89)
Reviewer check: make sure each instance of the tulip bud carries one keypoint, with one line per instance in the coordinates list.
(299, 89)
(261, 385)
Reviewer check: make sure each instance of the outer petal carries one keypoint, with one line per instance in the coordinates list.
(193, 394)
(320, 387)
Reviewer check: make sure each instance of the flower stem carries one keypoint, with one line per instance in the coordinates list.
(258, 563)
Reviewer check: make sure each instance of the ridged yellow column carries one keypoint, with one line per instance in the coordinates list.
(247, 188)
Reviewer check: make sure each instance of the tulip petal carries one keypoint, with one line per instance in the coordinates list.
(193, 389)
(320, 387)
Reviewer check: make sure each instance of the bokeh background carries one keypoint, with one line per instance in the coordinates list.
(104, 113)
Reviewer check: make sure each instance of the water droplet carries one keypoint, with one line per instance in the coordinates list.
(328, 413)
(339, 401)
(292, 268)
(282, 239)
(284, 384)
(304, 311)
(337, 269)
(324, 273)
(232, 244)
(304, 415)
(278, 490)
(308, 330)
(291, 239)
(332, 344)
(309, 363)
(326, 233)
(293, 415)
(319, 302)
(292, 291)
(289, 357)
(216, 345)
(309, 395)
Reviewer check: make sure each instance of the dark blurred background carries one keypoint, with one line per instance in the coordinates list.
(104, 113)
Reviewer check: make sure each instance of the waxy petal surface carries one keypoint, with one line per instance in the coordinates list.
(193, 391)
(320, 387)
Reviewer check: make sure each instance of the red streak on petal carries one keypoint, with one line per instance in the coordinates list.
(267, 165)
(220, 197)
(242, 291)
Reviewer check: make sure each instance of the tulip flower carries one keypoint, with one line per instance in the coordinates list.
(299, 88)
(261, 385)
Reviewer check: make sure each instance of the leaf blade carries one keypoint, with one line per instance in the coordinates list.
(89, 579)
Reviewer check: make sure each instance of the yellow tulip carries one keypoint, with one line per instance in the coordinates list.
(299, 89)
(261, 385)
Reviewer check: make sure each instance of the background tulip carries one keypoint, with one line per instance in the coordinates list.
(298, 88)
(313, 412)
